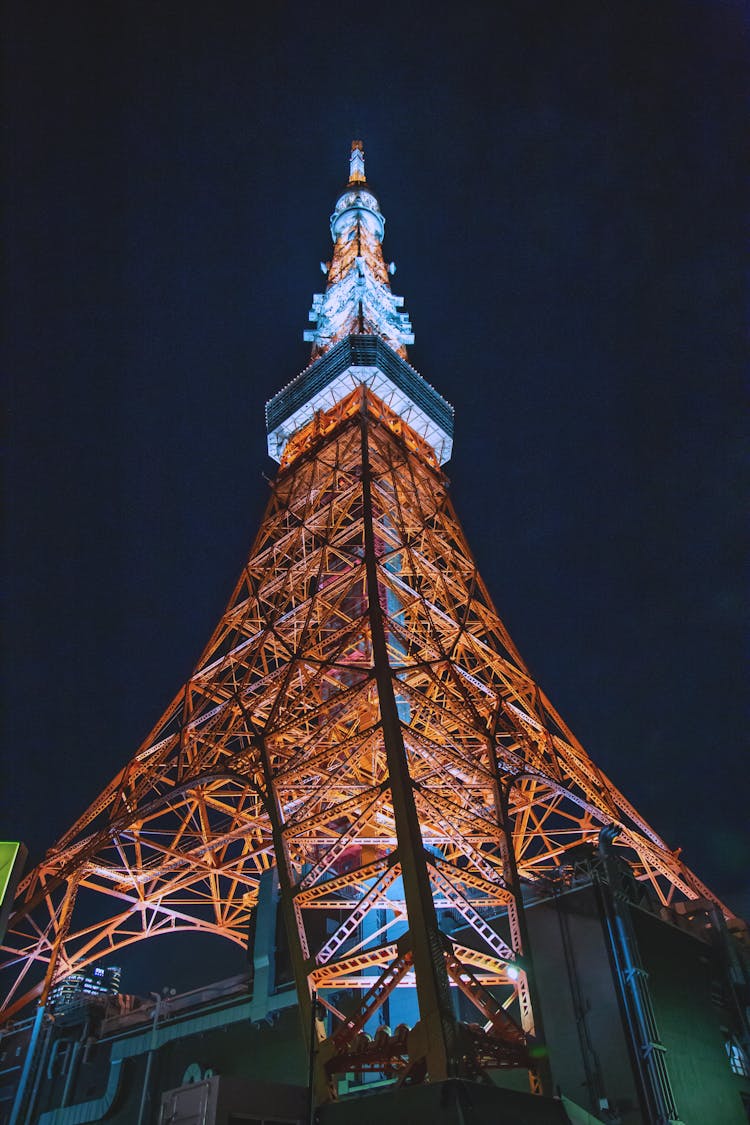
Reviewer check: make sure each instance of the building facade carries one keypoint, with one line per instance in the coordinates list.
(96, 981)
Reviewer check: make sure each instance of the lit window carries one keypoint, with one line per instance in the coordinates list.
(737, 1058)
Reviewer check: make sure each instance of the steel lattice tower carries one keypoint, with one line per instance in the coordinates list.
(361, 723)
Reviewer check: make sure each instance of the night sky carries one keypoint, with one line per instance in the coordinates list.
(563, 189)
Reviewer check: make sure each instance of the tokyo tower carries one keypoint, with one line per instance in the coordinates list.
(360, 737)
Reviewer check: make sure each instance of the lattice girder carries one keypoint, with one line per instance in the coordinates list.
(280, 748)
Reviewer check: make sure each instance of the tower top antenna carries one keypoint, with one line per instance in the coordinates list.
(357, 163)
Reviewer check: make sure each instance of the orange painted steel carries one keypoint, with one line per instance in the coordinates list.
(294, 742)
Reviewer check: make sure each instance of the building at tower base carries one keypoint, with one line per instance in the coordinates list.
(235, 1048)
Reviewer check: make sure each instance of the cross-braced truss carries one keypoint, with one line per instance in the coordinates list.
(361, 718)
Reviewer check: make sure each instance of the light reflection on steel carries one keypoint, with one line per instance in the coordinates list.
(358, 297)
(362, 719)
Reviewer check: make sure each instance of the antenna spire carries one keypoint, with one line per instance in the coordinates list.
(358, 299)
(357, 164)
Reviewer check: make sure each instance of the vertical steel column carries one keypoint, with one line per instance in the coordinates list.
(437, 1019)
(540, 1078)
(298, 951)
(146, 1087)
(264, 946)
(647, 1050)
(17, 1112)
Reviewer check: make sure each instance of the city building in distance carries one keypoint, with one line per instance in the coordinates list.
(84, 983)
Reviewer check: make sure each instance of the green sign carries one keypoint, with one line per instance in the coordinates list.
(12, 860)
(8, 853)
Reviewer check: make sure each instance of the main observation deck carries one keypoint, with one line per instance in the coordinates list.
(354, 361)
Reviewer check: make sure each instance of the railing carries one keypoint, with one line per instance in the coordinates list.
(359, 351)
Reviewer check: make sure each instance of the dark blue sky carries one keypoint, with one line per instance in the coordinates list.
(563, 189)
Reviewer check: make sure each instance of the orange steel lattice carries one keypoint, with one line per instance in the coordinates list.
(361, 719)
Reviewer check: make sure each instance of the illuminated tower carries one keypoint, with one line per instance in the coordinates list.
(360, 731)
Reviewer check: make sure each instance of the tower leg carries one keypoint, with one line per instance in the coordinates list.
(540, 1076)
(437, 1020)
